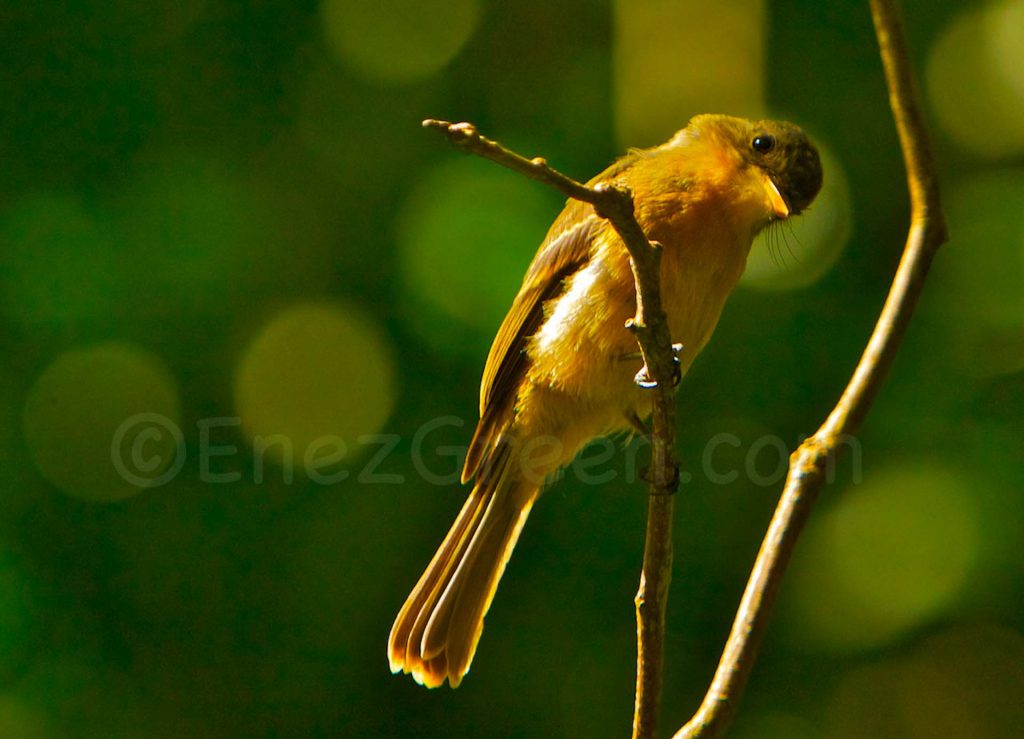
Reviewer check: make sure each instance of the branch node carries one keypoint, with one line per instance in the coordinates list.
(614, 202)
(666, 486)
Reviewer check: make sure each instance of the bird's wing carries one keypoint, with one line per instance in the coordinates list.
(565, 250)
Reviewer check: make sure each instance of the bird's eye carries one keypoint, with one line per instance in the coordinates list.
(763, 144)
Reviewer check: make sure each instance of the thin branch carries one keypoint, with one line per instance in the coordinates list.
(650, 327)
(807, 469)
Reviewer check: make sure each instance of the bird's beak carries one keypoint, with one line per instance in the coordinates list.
(779, 209)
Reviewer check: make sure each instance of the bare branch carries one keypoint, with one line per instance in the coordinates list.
(807, 468)
(650, 327)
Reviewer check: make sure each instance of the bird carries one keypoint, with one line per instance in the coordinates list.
(561, 370)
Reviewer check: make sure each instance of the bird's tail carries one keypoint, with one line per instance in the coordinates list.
(436, 632)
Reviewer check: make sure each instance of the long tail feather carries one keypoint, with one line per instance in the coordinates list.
(436, 633)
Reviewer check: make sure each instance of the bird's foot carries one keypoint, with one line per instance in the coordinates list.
(643, 378)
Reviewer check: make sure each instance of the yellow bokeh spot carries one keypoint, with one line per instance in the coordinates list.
(466, 235)
(800, 251)
(398, 40)
(102, 422)
(659, 85)
(975, 78)
(1005, 21)
(315, 380)
(893, 554)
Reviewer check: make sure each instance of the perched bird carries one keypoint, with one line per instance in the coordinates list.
(561, 369)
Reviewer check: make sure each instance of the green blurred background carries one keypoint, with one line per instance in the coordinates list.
(244, 306)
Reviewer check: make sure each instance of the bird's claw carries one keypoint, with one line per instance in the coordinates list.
(677, 365)
(644, 379)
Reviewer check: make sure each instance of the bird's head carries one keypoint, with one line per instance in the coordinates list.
(779, 151)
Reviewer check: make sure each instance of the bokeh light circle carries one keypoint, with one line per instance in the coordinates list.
(78, 408)
(654, 96)
(975, 78)
(892, 555)
(314, 381)
(398, 40)
(1005, 21)
(800, 251)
